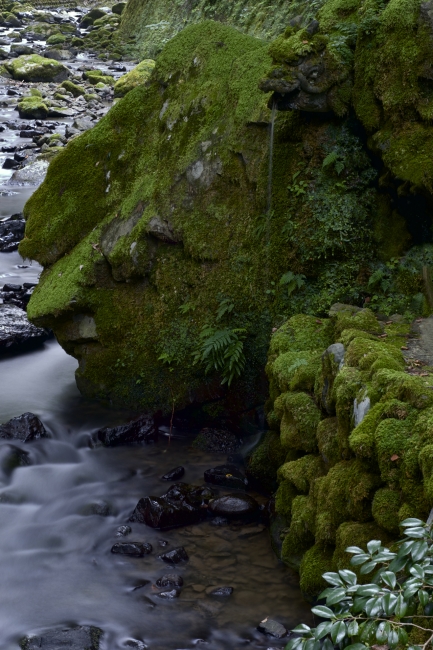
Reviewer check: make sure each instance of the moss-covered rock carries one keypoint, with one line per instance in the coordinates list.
(33, 108)
(33, 67)
(265, 460)
(315, 562)
(73, 88)
(138, 75)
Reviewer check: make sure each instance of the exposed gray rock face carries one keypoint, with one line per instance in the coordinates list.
(16, 333)
(77, 638)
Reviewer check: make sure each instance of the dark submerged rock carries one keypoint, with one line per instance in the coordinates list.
(181, 505)
(170, 580)
(100, 508)
(135, 549)
(174, 475)
(273, 628)
(217, 440)
(138, 431)
(175, 556)
(12, 457)
(234, 505)
(77, 638)
(16, 333)
(25, 427)
(221, 591)
(226, 476)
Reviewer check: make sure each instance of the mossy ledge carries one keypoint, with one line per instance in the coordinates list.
(360, 460)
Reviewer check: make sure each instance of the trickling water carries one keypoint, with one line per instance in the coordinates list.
(360, 409)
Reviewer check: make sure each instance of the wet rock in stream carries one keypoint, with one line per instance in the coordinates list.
(170, 580)
(12, 457)
(135, 549)
(174, 475)
(123, 531)
(181, 505)
(138, 431)
(175, 556)
(233, 506)
(228, 476)
(16, 333)
(273, 628)
(11, 232)
(25, 427)
(220, 591)
(77, 638)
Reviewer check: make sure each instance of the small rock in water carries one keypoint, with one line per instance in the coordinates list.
(25, 427)
(273, 628)
(226, 476)
(136, 549)
(174, 475)
(175, 556)
(140, 430)
(219, 521)
(100, 508)
(122, 531)
(16, 332)
(12, 457)
(162, 542)
(75, 638)
(234, 505)
(220, 591)
(169, 595)
(181, 505)
(170, 580)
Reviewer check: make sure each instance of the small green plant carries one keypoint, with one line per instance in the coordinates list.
(187, 307)
(292, 282)
(298, 188)
(397, 602)
(222, 350)
(225, 307)
(333, 158)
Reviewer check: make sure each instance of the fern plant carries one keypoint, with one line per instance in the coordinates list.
(222, 350)
(292, 282)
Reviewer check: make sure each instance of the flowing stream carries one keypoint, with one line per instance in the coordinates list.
(55, 559)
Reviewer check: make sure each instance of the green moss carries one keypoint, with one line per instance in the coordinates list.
(363, 353)
(265, 461)
(362, 437)
(75, 89)
(328, 442)
(406, 388)
(385, 508)
(295, 370)
(301, 333)
(352, 533)
(283, 500)
(56, 39)
(300, 417)
(32, 108)
(348, 385)
(302, 472)
(32, 67)
(361, 320)
(316, 561)
(137, 76)
(344, 493)
(301, 532)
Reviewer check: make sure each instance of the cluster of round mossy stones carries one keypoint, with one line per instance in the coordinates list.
(35, 68)
(354, 426)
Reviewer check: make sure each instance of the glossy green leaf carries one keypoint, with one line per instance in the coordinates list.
(348, 576)
(333, 579)
(359, 559)
(368, 567)
(302, 629)
(423, 597)
(338, 631)
(323, 629)
(373, 606)
(382, 631)
(419, 551)
(322, 611)
(293, 644)
(389, 578)
(403, 636)
(374, 545)
(416, 533)
(353, 628)
(417, 571)
(368, 590)
(354, 549)
(400, 607)
(411, 522)
(389, 601)
(336, 597)
(392, 640)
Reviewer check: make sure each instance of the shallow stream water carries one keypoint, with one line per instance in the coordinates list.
(56, 567)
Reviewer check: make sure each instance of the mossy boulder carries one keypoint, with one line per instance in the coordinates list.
(35, 68)
(73, 88)
(138, 75)
(33, 108)
(56, 39)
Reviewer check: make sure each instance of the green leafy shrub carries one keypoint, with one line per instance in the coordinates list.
(393, 610)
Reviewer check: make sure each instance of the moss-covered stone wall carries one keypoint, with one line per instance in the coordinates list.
(355, 423)
(149, 24)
